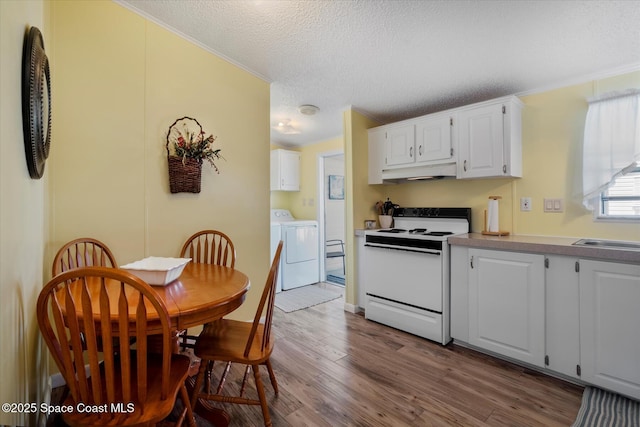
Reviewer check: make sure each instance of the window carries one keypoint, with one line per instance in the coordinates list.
(622, 198)
(611, 155)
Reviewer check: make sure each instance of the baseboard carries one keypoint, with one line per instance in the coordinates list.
(57, 380)
(352, 308)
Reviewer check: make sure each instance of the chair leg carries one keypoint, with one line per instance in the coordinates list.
(272, 376)
(244, 380)
(223, 378)
(198, 384)
(263, 397)
(184, 395)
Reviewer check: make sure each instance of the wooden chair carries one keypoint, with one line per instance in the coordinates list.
(207, 247)
(82, 252)
(210, 247)
(249, 343)
(127, 306)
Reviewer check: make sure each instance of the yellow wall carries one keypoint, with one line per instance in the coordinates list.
(304, 203)
(553, 125)
(359, 195)
(23, 225)
(120, 81)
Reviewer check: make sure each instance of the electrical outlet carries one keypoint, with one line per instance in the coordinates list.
(525, 204)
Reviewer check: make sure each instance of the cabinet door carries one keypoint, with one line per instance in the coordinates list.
(290, 171)
(400, 145)
(285, 170)
(506, 304)
(481, 142)
(376, 155)
(609, 322)
(562, 315)
(433, 138)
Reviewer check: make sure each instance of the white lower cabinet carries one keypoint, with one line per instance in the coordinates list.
(609, 325)
(562, 334)
(506, 304)
(359, 279)
(575, 317)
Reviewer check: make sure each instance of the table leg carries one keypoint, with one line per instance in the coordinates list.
(216, 416)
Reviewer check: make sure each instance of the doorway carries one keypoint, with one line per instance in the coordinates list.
(331, 217)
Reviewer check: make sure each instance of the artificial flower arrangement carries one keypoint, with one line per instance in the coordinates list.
(187, 140)
(187, 146)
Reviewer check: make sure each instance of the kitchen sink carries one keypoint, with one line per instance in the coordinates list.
(608, 244)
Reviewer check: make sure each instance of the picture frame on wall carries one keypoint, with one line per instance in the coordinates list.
(336, 187)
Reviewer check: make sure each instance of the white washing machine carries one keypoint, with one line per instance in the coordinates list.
(300, 262)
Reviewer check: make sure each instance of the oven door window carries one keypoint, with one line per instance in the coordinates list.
(405, 276)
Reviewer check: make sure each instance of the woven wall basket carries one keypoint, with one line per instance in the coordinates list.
(184, 174)
(184, 178)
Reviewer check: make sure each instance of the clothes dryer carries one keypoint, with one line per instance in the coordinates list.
(300, 261)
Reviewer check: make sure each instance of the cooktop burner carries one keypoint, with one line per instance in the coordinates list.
(392, 230)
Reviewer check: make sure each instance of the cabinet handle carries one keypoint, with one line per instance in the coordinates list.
(504, 168)
(420, 150)
(471, 262)
(464, 165)
(410, 151)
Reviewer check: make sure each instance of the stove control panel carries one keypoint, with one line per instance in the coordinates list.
(433, 212)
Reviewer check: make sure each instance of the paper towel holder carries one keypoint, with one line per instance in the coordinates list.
(485, 230)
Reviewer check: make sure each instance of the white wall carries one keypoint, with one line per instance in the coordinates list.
(23, 213)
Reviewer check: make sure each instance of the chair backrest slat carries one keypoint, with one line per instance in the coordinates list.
(141, 327)
(107, 307)
(123, 331)
(210, 247)
(267, 298)
(82, 252)
(107, 342)
(91, 343)
(76, 347)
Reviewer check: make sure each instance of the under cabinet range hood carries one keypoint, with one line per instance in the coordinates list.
(420, 173)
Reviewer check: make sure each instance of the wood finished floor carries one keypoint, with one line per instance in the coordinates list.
(337, 369)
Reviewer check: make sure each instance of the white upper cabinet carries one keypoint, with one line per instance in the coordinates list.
(434, 138)
(400, 144)
(490, 139)
(482, 140)
(285, 170)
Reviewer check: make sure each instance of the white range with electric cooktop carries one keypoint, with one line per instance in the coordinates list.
(406, 270)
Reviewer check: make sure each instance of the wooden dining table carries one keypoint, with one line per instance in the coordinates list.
(203, 293)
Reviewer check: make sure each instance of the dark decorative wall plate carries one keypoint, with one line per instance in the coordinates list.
(36, 102)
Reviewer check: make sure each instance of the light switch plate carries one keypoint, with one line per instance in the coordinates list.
(554, 205)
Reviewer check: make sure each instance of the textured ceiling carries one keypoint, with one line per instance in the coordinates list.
(394, 59)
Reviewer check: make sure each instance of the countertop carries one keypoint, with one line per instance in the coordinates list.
(547, 245)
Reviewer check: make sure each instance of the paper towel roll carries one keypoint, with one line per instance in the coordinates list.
(493, 221)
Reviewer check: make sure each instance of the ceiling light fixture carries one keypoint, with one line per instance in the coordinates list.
(285, 127)
(308, 110)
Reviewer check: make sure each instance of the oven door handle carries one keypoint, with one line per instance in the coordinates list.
(419, 251)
